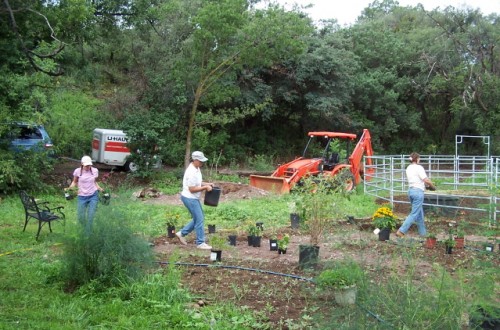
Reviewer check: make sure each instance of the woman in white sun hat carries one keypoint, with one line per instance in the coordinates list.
(84, 177)
(192, 186)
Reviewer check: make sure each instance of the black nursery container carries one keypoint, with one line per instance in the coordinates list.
(212, 197)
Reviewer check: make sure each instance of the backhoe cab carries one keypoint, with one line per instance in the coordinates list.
(321, 156)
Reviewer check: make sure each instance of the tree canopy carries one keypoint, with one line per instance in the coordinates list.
(239, 81)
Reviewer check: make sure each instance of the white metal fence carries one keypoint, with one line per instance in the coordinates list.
(463, 182)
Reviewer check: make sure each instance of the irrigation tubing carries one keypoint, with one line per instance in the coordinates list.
(376, 316)
(239, 268)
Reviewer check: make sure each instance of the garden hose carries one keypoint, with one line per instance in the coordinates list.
(239, 268)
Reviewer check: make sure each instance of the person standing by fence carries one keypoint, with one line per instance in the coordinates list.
(417, 180)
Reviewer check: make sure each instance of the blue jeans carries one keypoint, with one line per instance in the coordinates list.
(197, 223)
(417, 212)
(87, 205)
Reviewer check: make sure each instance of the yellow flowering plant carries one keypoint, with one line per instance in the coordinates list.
(384, 218)
(172, 218)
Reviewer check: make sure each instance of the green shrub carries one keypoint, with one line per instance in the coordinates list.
(261, 163)
(23, 170)
(110, 255)
(342, 274)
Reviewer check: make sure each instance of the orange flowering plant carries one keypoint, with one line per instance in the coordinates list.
(384, 218)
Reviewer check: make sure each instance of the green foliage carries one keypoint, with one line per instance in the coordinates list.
(147, 133)
(111, 254)
(73, 117)
(253, 230)
(283, 241)
(320, 202)
(450, 242)
(23, 171)
(218, 242)
(430, 235)
(403, 302)
(342, 274)
(169, 182)
(172, 217)
(261, 163)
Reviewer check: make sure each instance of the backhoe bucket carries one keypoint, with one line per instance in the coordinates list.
(270, 183)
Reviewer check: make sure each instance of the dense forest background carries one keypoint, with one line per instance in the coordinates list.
(239, 82)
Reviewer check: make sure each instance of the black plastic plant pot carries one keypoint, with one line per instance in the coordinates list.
(232, 240)
(211, 229)
(212, 197)
(281, 251)
(256, 241)
(215, 256)
(273, 244)
(294, 220)
(171, 231)
(384, 234)
(308, 256)
(250, 240)
(449, 249)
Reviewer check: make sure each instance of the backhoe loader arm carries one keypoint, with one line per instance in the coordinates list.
(363, 147)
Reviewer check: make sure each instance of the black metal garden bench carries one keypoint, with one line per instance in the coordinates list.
(41, 211)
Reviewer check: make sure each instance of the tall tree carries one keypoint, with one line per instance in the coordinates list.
(227, 37)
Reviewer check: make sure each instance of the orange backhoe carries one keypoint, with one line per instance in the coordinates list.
(328, 163)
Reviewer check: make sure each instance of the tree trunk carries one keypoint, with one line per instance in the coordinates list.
(192, 116)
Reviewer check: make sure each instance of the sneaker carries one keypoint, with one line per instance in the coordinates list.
(204, 246)
(181, 239)
(400, 234)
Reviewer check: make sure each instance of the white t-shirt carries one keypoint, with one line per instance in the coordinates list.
(192, 178)
(416, 174)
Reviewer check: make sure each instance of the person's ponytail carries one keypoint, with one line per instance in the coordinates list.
(414, 157)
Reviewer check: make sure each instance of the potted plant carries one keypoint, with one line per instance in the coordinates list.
(488, 247)
(257, 235)
(254, 235)
(294, 220)
(282, 242)
(232, 237)
(70, 193)
(218, 244)
(385, 221)
(449, 243)
(430, 240)
(342, 278)
(320, 199)
(105, 195)
(172, 218)
(460, 238)
(273, 242)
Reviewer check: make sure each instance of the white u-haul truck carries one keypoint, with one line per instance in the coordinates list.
(109, 146)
